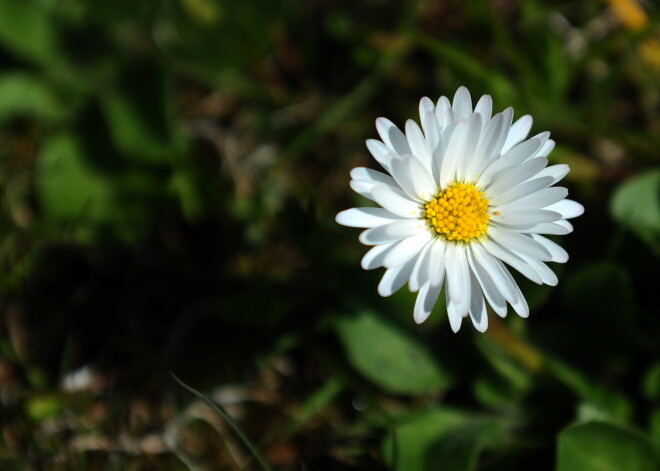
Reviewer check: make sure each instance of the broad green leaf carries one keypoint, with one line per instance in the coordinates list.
(137, 113)
(636, 204)
(444, 439)
(391, 358)
(89, 201)
(597, 446)
(652, 383)
(27, 30)
(68, 188)
(26, 95)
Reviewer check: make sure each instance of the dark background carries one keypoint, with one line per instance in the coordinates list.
(169, 176)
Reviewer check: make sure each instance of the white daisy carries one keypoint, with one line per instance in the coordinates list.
(468, 193)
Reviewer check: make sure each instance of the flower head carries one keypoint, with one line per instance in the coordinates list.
(463, 196)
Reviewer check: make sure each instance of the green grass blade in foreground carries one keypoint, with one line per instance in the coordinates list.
(230, 422)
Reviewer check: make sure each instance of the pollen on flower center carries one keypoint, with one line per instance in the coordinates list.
(458, 213)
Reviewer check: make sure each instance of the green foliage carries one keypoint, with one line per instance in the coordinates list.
(28, 30)
(604, 447)
(445, 439)
(89, 201)
(23, 95)
(393, 359)
(636, 204)
(170, 173)
(137, 114)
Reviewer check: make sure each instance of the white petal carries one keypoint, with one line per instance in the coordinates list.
(433, 142)
(559, 255)
(539, 199)
(375, 256)
(395, 278)
(455, 151)
(567, 208)
(417, 144)
(519, 244)
(520, 191)
(401, 173)
(508, 178)
(426, 106)
(406, 249)
(518, 132)
(561, 227)
(494, 297)
(512, 159)
(373, 176)
(365, 217)
(519, 304)
(420, 272)
(431, 131)
(381, 153)
(455, 318)
(511, 259)
(436, 264)
(392, 136)
(495, 271)
(477, 306)
(391, 232)
(525, 217)
(556, 172)
(458, 278)
(396, 202)
(564, 223)
(485, 108)
(490, 145)
(426, 299)
(547, 276)
(423, 183)
(545, 150)
(474, 133)
(462, 104)
(362, 187)
(442, 111)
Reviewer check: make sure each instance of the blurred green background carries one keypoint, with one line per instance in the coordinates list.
(170, 171)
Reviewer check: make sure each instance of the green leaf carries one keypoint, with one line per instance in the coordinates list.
(42, 407)
(27, 30)
(68, 188)
(391, 358)
(91, 202)
(137, 113)
(26, 95)
(636, 204)
(604, 447)
(652, 383)
(443, 439)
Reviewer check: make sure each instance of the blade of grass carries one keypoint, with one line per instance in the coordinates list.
(228, 420)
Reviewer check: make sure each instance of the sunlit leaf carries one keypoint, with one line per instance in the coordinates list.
(604, 447)
(391, 358)
(636, 204)
(445, 439)
(26, 95)
(28, 31)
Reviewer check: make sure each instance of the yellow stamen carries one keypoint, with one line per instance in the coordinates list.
(458, 213)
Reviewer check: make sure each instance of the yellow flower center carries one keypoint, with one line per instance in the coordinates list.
(458, 213)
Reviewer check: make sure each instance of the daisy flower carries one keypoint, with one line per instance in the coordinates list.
(463, 197)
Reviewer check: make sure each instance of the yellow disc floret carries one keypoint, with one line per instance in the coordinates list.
(458, 213)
